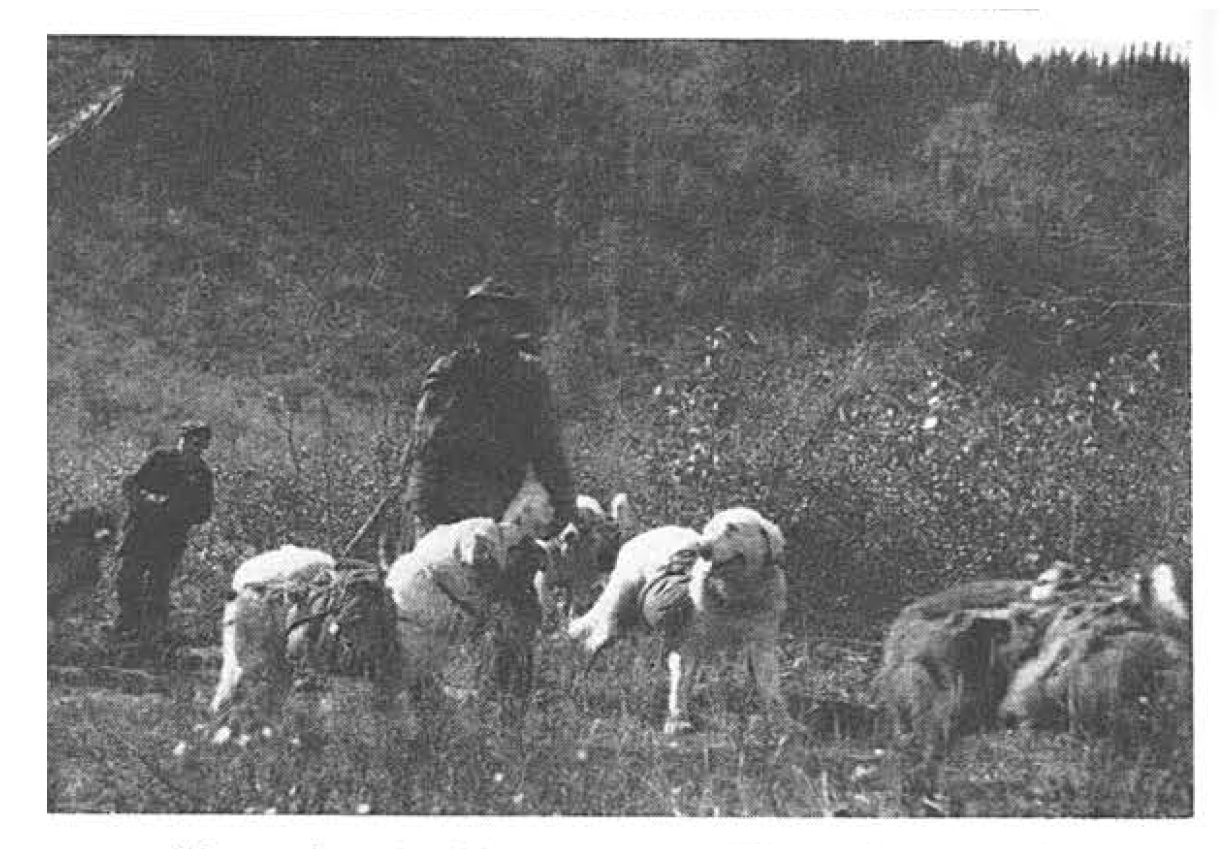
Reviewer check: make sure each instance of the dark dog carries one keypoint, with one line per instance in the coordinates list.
(1102, 653)
(945, 675)
(76, 543)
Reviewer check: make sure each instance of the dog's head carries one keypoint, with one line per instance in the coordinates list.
(484, 546)
(736, 556)
(741, 533)
(585, 550)
(529, 514)
(603, 532)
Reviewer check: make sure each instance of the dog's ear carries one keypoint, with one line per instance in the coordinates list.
(622, 516)
(484, 551)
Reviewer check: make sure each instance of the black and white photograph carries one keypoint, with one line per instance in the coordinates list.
(458, 424)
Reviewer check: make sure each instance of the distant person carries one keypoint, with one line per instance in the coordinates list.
(171, 492)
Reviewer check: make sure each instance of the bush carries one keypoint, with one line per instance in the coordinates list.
(890, 477)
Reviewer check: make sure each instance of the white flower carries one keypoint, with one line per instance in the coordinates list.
(363, 808)
(221, 736)
(863, 771)
(181, 749)
(499, 777)
(929, 423)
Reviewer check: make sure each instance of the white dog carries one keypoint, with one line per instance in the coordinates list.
(462, 579)
(254, 621)
(718, 590)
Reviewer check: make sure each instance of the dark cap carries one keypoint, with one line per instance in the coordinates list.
(194, 427)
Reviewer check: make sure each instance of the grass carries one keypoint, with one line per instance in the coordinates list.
(586, 747)
(120, 742)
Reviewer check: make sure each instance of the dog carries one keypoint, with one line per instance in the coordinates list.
(948, 658)
(945, 673)
(254, 633)
(704, 593)
(1101, 651)
(77, 540)
(462, 580)
(580, 558)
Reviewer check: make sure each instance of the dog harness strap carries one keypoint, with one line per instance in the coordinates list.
(304, 620)
(467, 607)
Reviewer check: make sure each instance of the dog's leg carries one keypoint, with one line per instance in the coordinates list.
(253, 659)
(277, 673)
(514, 662)
(681, 667)
(764, 665)
(230, 674)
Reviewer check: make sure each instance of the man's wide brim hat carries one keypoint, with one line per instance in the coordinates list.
(491, 291)
(194, 427)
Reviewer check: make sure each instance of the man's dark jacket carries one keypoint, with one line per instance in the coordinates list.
(161, 529)
(481, 421)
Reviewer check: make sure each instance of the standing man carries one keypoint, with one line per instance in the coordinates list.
(171, 492)
(485, 416)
